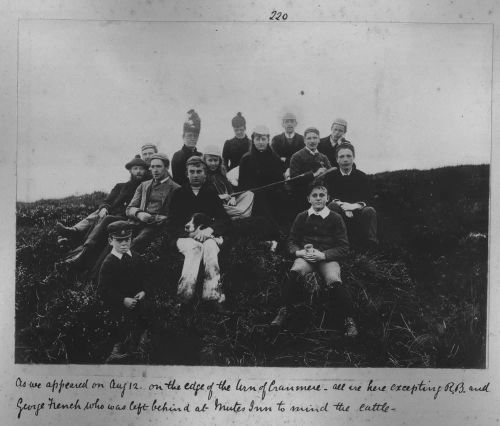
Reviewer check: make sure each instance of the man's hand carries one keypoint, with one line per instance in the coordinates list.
(283, 159)
(350, 206)
(203, 234)
(349, 214)
(145, 217)
(287, 173)
(314, 256)
(320, 171)
(300, 253)
(140, 295)
(231, 201)
(224, 197)
(103, 213)
(159, 219)
(129, 302)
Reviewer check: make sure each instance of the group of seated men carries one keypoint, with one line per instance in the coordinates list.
(307, 178)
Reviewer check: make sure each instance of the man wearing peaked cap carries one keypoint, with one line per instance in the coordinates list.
(190, 133)
(123, 286)
(150, 205)
(287, 143)
(238, 146)
(330, 143)
(109, 211)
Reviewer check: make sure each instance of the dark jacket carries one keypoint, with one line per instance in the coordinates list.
(325, 147)
(120, 196)
(119, 279)
(283, 148)
(185, 203)
(233, 150)
(328, 235)
(179, 163)
(354, 188)
(259, 168)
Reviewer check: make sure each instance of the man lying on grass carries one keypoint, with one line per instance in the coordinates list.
(318, 240)
(122, 283)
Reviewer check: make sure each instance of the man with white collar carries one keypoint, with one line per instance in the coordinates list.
(318, 240)
(329, 144)
(287, 143)
(150, 205)
(310, 161)
(350, 191)
(122, 284)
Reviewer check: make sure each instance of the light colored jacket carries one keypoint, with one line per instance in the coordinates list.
(140, 198)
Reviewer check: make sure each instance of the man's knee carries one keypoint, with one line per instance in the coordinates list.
(368, 211)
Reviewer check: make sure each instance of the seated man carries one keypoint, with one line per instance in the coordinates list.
(309, 161)
(329, 144)
(111, 210)
(190, 135)
(202, 243)
(318, 240)
(122, 284)
(350, 191)
(139, 171)
(150, 206)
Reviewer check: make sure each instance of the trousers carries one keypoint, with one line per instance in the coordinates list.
(194, 254)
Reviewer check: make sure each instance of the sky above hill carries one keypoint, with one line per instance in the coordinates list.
(90, 93)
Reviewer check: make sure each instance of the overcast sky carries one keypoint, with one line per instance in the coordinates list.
(91, 93)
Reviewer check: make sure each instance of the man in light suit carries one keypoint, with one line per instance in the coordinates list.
(150, 205)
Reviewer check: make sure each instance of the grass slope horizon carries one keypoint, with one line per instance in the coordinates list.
(422, 300)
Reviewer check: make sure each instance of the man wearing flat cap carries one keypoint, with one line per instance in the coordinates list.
(190, 135)
(150, 205)
(110, 210)
(122, 285)
(199, 242)
(287, 143)
(308, 161)
(329, 144)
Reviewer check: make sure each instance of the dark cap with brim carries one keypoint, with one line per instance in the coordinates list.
(120, 230)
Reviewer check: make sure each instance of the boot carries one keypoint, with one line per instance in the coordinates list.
(281, 318)
(117, 354)
(66, 231)
(350, 327)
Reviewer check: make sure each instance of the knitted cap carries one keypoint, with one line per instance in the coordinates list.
(341, 122)
(238, 121)
(311, 130)
(212, 150)
(192, 123)
(136, 161)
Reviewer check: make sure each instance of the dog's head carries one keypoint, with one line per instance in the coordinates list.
(198, 221)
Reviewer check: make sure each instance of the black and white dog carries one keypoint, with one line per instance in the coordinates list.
(200, 221)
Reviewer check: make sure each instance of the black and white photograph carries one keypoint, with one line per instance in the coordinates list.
(307, 194)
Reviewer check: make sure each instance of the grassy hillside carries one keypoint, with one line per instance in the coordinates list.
(421, 299)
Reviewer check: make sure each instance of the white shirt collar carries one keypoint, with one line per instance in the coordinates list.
(120, 255)
(345, 173)
(323, 213)
(311, 151)
(163, 180)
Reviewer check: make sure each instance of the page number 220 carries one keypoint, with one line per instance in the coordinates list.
(278, 16)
